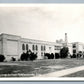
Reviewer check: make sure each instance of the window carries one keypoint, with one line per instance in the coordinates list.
(26, 46)
(41, 48)
(41, 53)
(36, 47)
(49, 48)
(57, 47)
(44, 48)
(74, 51)
(32, 47)
(74, 45)
(23, 47)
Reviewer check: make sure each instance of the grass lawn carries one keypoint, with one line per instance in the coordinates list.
(32, 68)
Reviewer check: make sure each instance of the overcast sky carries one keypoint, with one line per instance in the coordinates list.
(47, 22)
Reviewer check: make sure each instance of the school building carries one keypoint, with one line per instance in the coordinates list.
(14, 46)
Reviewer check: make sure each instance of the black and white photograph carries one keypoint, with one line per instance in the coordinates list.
(42, 41)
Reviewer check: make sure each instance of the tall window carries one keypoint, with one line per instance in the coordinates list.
(23, 47)
(32, 47)
(26, 46)
(74, 51)
(41, 48)
(44, 48)
(36, 47)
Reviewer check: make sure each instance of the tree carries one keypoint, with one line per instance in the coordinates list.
(64, 52)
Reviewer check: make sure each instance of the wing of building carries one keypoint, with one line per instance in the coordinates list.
(78, 47)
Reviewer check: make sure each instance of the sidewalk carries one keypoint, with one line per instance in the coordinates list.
(63, 72)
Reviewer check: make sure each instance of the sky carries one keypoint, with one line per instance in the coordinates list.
(48, 22)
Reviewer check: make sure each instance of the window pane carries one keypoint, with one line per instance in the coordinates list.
(41, 48)
(32, 47)
(74, 51)
(41, 53)
(36, 47)
(26, 46)
(44, 48)
(23, 47)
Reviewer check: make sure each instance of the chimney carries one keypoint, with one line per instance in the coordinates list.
(66, 40)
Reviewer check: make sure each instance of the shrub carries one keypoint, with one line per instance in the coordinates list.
(52, 56)
(23, 56)
(57, 55)
(13, 59)
(74, 56)
(2, 58)
(28, 56)
(33, 56)
(48, 55)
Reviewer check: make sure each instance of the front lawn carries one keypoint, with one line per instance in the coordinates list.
(32, 68)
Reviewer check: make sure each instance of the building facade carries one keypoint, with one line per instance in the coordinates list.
(78, 47)
(14, 46)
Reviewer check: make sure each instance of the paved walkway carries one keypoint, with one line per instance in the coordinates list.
(63, 72)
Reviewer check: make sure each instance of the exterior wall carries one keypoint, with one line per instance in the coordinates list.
(10, 46)
(49, 49)
(70, 49)
(12, 49)
(79, 47)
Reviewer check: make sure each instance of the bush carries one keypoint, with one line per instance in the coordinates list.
(74, 56)
(52, 56)
(57, 55)
(23, 56)
(49, 56)
(13, 59)
(2, 58)
(33, 56)
(28, 56)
